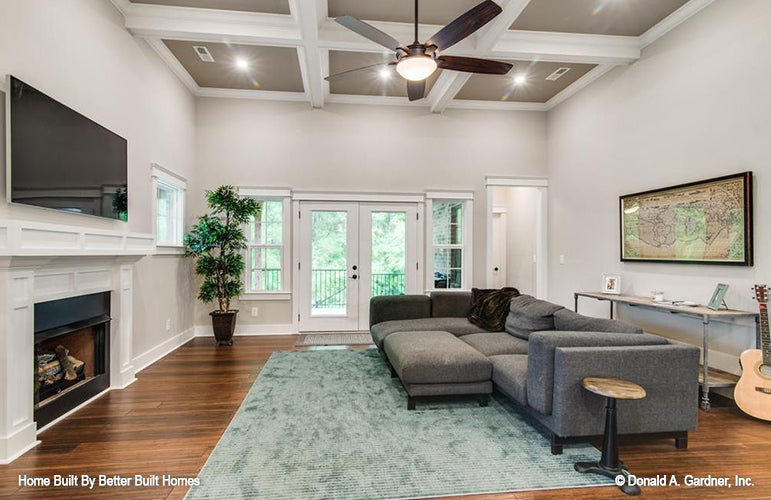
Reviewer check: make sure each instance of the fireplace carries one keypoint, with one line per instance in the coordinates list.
(71, 354)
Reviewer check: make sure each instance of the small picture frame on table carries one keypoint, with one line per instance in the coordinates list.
(718, 297)
(611, 283)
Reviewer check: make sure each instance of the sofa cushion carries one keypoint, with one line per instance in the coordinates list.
(541, 352)
(394, 307)
(435, 357)
(494, 343)
(510, 375)
(528, 314)
(565, 319)
(450, 304)
(456, 326)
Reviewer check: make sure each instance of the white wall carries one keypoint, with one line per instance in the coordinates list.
(79, 53)
(361, 148)
(695, 106)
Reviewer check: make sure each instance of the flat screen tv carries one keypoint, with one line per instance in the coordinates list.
(61, 160)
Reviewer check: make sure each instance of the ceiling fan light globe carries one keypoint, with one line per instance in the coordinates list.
(416, 68)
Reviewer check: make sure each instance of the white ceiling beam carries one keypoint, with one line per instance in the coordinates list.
(309, 15)
(185, 23)
(486, 38)
(566, 47)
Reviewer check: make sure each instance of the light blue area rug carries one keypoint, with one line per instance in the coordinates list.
(335, 425)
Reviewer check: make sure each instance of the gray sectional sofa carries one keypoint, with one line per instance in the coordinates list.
(539, 362)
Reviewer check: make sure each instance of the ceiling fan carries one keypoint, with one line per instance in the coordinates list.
(418, 61)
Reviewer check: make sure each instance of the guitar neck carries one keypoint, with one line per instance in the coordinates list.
(765, 336)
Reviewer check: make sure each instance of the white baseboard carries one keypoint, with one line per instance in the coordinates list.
(152, 355)
(249, 330)
(17, 444)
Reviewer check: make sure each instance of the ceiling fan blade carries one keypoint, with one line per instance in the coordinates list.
(416, 90)
(358, 71)
(473, 65)
(465, 25)
(370, 32)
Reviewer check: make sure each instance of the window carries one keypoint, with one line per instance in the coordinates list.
(449, 252)
(169, 207)
(267, 261)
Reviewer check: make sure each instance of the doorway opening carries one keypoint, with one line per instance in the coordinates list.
(516, 236)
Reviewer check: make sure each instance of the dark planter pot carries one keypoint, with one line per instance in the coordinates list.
(224, 324)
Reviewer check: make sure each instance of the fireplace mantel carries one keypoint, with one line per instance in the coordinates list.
(42, 262)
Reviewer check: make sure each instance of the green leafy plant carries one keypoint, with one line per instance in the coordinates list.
(216, 242)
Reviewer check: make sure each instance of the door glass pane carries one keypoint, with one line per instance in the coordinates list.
(329, 263)
(389, 253)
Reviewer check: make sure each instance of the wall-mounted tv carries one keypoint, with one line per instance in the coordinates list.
(61, 160)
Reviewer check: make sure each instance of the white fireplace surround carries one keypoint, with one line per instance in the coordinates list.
(42, 262)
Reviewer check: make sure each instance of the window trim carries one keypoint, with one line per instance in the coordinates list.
(284, 196)
(162, 176)
(467, 199)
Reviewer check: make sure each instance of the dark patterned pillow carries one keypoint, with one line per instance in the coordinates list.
(489, 307)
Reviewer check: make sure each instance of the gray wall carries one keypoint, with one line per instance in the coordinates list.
(695, 106)
(361, 148)
(79, 53)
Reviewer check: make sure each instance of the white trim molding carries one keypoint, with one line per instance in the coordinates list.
(28, 239)
(516, 181)
(357, 196)
(165, 348)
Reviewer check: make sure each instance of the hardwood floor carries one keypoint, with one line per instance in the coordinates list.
(171, 418)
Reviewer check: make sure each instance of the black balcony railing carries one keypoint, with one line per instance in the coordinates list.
(329, 287)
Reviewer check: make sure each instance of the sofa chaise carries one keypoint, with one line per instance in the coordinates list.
(538, 362)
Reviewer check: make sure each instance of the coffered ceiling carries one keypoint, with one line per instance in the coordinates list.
(283, 49)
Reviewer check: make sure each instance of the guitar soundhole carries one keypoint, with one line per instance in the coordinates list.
(765, 370)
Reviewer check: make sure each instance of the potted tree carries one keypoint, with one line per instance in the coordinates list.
(216, 242)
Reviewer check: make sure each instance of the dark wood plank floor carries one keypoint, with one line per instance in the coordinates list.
(171, 418)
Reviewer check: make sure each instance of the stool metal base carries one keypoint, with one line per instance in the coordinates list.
(597, 468)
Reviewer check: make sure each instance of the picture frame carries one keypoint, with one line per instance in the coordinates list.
(703, 222)
(611, 284)
(718, 297)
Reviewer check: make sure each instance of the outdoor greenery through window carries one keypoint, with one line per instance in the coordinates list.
(447, 224)
(389, 253)
(266, 248)
(169, 214)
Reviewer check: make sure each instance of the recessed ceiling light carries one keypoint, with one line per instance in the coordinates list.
(385, 73)
(242, 63)
(520, 79)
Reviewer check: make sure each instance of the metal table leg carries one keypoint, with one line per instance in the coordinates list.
(705, 349)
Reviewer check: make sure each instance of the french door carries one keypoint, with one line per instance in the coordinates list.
(350, 252)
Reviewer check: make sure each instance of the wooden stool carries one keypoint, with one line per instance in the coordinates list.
(609, 464)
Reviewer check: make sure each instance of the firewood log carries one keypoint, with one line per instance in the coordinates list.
(69, 369)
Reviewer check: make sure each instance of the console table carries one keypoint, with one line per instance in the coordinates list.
(704, 313)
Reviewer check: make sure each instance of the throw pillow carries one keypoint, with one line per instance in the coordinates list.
(489, 307)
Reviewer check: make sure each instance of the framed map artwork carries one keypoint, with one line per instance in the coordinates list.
(705, 222)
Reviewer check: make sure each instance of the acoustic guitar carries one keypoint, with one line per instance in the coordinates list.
(753, 391)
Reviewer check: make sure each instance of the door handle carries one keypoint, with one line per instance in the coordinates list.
(495, 269)
(355, 267)
(354, 277)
